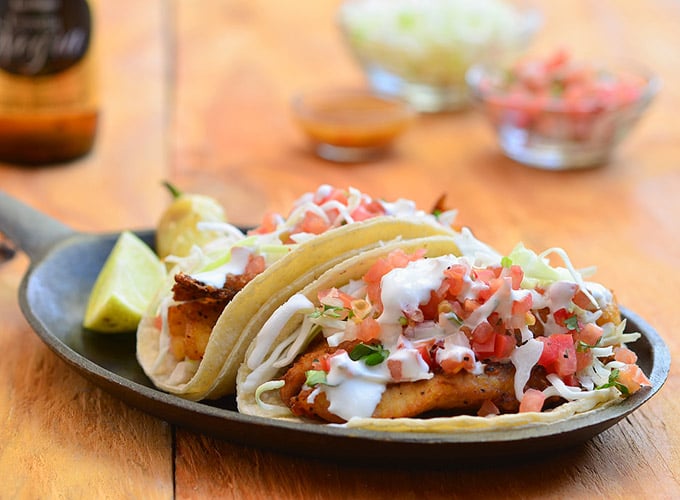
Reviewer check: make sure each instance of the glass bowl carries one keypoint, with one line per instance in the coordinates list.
(421, 50)
(557, 113)
(351, 125)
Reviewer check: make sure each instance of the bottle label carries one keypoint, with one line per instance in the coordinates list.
(43, 37)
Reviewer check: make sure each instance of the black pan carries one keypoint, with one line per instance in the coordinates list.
(53, 294)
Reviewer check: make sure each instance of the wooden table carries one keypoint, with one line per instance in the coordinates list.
(198, 93)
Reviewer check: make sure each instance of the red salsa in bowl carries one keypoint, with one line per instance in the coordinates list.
(557, 112)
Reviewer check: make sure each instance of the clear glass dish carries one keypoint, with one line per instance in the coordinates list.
(555, 124)
(420, 51)
(351, 125)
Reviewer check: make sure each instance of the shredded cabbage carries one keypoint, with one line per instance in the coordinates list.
(434, 42)
(539, 272)
(559, 388)
(272, 385)
(616, 335)
(524, 358)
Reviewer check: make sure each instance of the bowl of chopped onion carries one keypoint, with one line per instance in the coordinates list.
(421, 50)
(557, 112)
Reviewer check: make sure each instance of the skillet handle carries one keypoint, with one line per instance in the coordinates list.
(32, 231)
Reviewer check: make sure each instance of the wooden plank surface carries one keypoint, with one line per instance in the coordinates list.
(60, 436)
(199, 92)
(270, 52)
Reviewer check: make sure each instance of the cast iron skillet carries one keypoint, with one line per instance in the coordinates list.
(53, 294)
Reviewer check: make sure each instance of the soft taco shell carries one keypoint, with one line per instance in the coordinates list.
(243, 316)
(253, 372)
(469, 423)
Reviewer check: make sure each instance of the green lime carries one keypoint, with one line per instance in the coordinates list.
(130, 278)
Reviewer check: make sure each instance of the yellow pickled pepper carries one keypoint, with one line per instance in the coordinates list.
(178, 230)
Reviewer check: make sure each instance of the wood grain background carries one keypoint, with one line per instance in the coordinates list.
(199, 93)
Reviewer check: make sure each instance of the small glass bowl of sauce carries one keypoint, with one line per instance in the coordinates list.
(351, 125)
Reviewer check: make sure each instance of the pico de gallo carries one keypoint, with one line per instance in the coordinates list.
(412, 319)
(559, 97)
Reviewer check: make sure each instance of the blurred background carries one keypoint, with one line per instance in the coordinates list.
(199, 92)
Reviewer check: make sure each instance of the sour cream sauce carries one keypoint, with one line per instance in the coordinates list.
(355, 389)
(404, 289)
(236, 265)
(558, 296)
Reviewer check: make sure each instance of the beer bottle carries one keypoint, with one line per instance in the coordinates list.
(48, 105)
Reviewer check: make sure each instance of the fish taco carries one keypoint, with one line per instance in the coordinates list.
(194, 335)
(416, 338)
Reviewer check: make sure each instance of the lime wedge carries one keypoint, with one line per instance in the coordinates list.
(125, 286)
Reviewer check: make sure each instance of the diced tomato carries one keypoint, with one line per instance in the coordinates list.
(379, 269)
(312, 223)
(395, 259)
(452, 365)
(625, 355)
(368, 329)
(367, 211)
(532, 400)
(559, 354)
(582, 301)
(268, 224)
(455, 279)
(322, 363)
(494, 320)
(590, 334)
(158, 322)
(561, 316)
(633, 378)
(494, 285)
(424, 351)
(583, 359)
(485, 350)
(256, 264)
(431, 309)
(487, 409)
(504, 345)
(568, 320)
(335, 298)
(523, 305)
(485, 275)
(484, 340)
(395, 367)
(517, 275)
(556, 60)
(336, 194)
(483, 332)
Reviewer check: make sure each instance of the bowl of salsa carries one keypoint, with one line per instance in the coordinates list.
(556, 112)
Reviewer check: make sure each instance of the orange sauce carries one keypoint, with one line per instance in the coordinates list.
(352, 119)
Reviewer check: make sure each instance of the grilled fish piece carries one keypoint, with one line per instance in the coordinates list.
(199, 305)
(190, 324)
(188, 288)
(462, 392)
